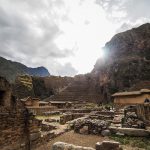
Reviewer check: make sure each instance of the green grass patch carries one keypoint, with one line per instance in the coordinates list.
(46, 117)
(140, 142)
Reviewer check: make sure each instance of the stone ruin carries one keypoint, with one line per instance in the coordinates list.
(97, 122)
(19, 129)
(133, 120)
(70, 116)
(91, 126)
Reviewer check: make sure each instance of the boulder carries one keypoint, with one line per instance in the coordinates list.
(131, 131)
(107, 145)
(84, 130)
(35, 136)
(105, 133)
(66, 146)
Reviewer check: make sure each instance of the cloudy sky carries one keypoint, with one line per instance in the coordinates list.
(65, 36)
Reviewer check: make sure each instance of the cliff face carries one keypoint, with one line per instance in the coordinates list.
(10, 70)
(126, 65)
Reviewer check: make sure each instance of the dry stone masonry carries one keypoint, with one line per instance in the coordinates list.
(19, 129)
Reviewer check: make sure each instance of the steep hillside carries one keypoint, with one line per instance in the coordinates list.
(126, 65)
(10, 70)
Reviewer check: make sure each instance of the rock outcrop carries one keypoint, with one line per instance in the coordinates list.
(126, 65)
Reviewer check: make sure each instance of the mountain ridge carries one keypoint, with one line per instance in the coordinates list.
(10, 69)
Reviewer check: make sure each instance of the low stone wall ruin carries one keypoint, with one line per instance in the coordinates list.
(91, 126)
(71, 116)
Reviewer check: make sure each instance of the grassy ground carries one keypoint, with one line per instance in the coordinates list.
(140, 142)
(47, 117)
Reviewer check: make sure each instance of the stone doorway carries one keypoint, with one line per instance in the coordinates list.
(2, 95)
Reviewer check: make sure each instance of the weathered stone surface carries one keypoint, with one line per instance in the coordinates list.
(127, 63)
(18, 127)
(107, 145)
(94, 126)
(84, 130)
(105, 133)
(65, 146)
(131, 131)
(35, 136)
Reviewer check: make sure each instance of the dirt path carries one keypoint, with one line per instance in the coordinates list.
(76, 139)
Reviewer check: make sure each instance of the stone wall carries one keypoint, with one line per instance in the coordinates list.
(19, 129)
(70, 116)
(143, 112)
(5, 92)
(41, 110)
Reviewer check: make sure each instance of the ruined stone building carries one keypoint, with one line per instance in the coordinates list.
(29, 101)
(36, 106)
(19, 130)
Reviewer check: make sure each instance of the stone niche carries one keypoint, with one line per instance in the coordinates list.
(6, 97)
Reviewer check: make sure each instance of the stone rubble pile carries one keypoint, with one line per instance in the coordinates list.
(46, 127)
(131, 120)
(89, 126)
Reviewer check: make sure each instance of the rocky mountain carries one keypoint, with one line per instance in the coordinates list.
(10, 70)
(125, 67)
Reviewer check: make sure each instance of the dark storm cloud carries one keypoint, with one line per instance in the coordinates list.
(28, 29)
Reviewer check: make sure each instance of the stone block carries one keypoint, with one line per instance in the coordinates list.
(99, 146)
(110, 145)
(65, 146)
(132, 132)
(84, 130)
(35, 136)
(105, 133)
